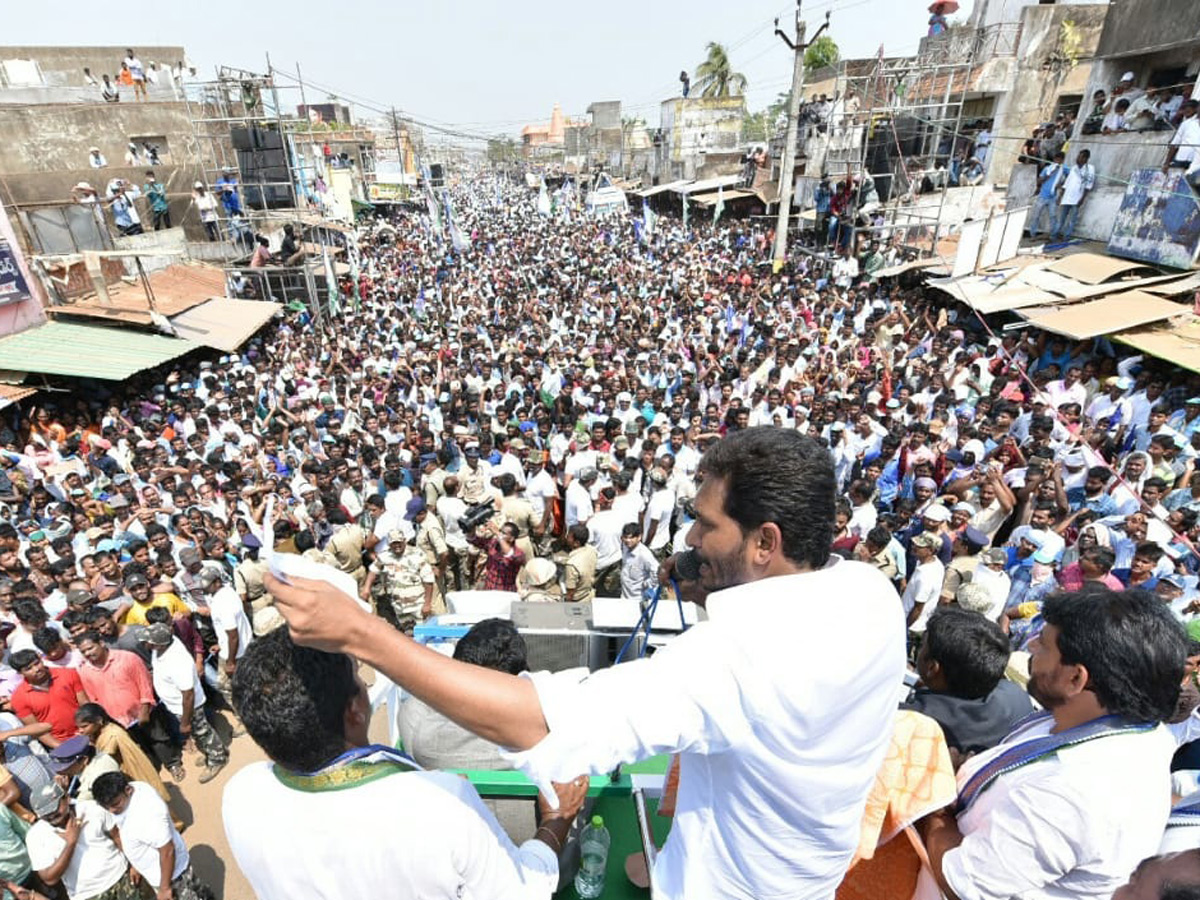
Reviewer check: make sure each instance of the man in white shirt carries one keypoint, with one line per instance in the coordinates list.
(177, 684)
(148, 838)
(231, 624)
(67, 845)
(577, 507)
(924, 588)
(845, 269)
(321, 817)
(1184, 150)
(775, 774)
(1072, 191)
(639, 566)
(604, 533)
(540, 489)
(656, 526)
(1041, 815)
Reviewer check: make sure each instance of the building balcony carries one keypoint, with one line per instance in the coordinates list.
(957, 44)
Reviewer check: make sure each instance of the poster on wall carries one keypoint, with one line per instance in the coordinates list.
(13, 288)
(1159, 220)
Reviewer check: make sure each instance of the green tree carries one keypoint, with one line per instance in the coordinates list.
(501, 149)
(715, 76)
(757, 127)
(821, 53)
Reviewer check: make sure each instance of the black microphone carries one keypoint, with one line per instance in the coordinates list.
(687, 566)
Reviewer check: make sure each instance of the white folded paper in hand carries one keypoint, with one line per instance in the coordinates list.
(286, 566)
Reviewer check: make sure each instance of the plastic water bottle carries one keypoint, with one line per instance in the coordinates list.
(593, 858)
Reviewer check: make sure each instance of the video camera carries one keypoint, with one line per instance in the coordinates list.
(476, 515)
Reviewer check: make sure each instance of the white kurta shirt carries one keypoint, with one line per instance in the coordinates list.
(1073, 825)
(775, 773)
(414, 834)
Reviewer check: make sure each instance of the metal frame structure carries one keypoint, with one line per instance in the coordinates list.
(238, 98)
(907, 124)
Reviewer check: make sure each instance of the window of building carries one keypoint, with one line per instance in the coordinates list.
(1068, 103)
(1175, 76)
(21, 73)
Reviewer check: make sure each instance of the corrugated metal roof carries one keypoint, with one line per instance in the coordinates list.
(224, 323)
(88, 351)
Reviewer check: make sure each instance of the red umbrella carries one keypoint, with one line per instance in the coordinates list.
(944, 7)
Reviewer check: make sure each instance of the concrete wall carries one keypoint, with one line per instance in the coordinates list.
(63, 66)
(999, 11)
(697, 126)
(45, 152)
(1041, 76)
(1140, 26)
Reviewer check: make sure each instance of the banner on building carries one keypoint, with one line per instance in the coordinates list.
(13, 288)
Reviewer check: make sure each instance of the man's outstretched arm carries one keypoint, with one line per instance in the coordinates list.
(501, 708)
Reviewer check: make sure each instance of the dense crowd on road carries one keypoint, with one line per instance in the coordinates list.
(529, 414)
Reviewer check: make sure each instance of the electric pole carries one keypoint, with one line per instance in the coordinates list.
(787, 164)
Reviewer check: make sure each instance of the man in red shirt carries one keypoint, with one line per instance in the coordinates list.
(116, 679)
(48, 695)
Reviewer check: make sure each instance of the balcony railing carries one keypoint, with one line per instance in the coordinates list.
(957, 44)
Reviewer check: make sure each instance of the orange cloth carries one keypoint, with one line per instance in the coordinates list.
(916, 778)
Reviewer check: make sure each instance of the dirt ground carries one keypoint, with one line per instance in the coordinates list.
(200, 806)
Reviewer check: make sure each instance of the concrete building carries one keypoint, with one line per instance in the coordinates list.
(1050, 73)
(701, 137)
(1158, 41)
(596, 142)
(51, 117)
(538, 138)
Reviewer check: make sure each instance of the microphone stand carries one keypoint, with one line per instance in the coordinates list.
(646, 620)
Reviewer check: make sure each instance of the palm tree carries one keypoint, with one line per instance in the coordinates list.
(715, 76)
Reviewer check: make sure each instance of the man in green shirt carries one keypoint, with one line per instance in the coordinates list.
(156, 193)
(14, 859)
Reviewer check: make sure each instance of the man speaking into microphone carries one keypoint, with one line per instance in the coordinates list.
(780, 705)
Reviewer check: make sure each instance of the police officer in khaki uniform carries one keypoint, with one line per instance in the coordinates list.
(579, 569)
(408, 581)
(346, 545)
(537, 582)
(248, 582)
(431, 541)
(473, 476)
(517, 510)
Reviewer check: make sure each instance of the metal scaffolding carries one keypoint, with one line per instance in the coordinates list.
(241, 125)
(896, 125)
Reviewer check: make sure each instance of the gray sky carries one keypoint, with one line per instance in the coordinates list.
(489, 67)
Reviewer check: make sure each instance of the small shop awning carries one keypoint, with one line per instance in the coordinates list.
(659, 188)
(224, 323)
(1095, 268)
(727, 195)
(1186, 285)
(1117, 312)
(1175, 342)
(707, 184)
(88, 351)
(901, 268)
(11, 393)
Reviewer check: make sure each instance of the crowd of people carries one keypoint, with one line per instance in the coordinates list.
(540, 412)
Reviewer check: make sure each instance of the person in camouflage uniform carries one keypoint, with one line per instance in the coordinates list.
(431, 541)
(408, 580)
